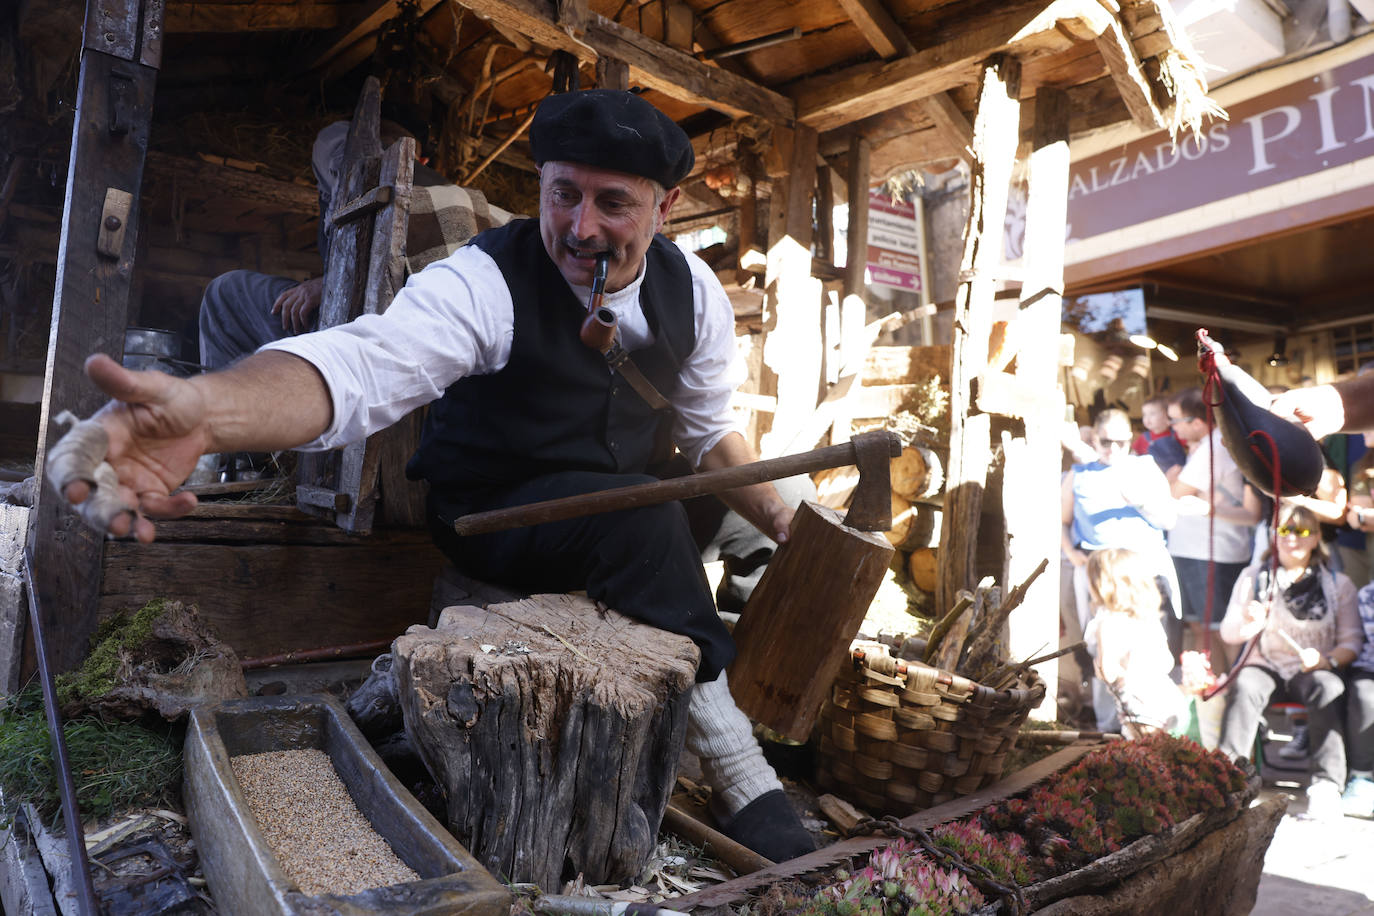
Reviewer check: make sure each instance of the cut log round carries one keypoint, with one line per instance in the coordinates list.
(914, 524)
(795, 631)
(917, 473)
(834, 486)
(923, 568)
(554, 727)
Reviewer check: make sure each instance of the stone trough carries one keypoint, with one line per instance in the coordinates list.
(240, 866)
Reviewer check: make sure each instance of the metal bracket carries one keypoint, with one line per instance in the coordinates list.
(114, 218)
(123, 101)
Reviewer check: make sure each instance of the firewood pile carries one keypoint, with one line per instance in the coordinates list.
(904, 389)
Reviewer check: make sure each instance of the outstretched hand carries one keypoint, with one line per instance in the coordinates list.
(156, 427)
(297, 306)
(1320, 408)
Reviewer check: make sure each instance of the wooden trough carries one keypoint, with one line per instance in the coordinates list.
(245, 875)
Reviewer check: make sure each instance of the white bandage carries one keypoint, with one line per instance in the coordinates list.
(80, 455)
(720, 735)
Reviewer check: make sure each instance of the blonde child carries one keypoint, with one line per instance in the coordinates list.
(1132, 653)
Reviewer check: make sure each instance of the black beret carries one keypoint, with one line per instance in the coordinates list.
(611, 129)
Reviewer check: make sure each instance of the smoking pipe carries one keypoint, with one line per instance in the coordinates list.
(598, 328)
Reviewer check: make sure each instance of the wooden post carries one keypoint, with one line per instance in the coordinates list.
(1032, 508)
(996, 135)
(555, 726)
(120, 53)
(792, 342)
(854, 303)
(856, 253)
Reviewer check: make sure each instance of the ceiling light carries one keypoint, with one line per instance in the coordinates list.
(1167, 352)
(1144, 341)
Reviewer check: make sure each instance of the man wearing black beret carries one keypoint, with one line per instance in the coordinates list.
(521, 409)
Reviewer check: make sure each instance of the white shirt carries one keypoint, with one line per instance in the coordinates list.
(1188, 537)
(455, 318)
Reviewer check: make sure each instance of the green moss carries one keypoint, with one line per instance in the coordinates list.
(115, 639)
(115, 765)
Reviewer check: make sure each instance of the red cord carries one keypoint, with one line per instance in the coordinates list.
(1207, 363)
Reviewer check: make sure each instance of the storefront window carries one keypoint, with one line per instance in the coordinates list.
(1352, 346)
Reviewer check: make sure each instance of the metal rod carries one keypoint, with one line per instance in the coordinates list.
(76, 840)
(314, 655)
(753, 44)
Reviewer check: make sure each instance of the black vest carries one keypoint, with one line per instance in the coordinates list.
(555, 406)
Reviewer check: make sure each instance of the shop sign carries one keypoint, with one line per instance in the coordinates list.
(1316, 123)
(894, 243)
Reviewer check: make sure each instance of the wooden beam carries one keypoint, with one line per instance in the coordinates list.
(652, 64)
(859, 92)
(950, 123)
(90, 306)
(856, 241)
(792, 345)
(1122, 63)
(366, 22)
(185, 16)
(878, 27)
(996, 136)
(1032, 524)
(205, 180)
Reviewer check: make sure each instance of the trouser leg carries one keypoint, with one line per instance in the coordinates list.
(1321, 692)
(1246, 698)
(642, 562)
(1359, 720)
(236, 315)
(722, 738)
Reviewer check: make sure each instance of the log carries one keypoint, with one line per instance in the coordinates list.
(834, 486)
(795, 631)
(917, 473)
(924, 568)
(554, 726)
(914, 525)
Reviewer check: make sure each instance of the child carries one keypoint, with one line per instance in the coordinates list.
(1132, 654)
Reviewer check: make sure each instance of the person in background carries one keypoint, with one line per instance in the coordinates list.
(1208, 484)
(1358, 798)
(1308, 628)
(1359, 517)
(1118, 501)
(1133, 657)
(1154, 415)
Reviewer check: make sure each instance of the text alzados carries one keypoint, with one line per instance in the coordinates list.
(1263, 129)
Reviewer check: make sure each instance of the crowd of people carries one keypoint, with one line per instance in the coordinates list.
(1179, 563)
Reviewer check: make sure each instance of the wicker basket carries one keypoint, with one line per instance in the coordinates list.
(898, 742)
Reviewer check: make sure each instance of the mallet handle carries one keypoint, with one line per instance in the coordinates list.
(662, 491)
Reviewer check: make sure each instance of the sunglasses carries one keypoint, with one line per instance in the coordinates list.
(1177, 420)
(1290, 531)
(1120, 443)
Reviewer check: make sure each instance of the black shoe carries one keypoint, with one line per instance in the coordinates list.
(769, 825)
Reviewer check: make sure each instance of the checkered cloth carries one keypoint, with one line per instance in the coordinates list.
(442, 219)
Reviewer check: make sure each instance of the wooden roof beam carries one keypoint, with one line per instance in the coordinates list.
(878, 27)
(1114, 43)
(889, 40)
(203, 16)
(653, 64)
(837, 99)
(364, 24)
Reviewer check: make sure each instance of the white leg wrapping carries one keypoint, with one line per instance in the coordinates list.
(721, 736)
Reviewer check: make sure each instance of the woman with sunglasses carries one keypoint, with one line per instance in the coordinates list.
(1307, 628)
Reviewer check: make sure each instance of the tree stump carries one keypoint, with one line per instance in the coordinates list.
(795, 631)
(554, 726)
